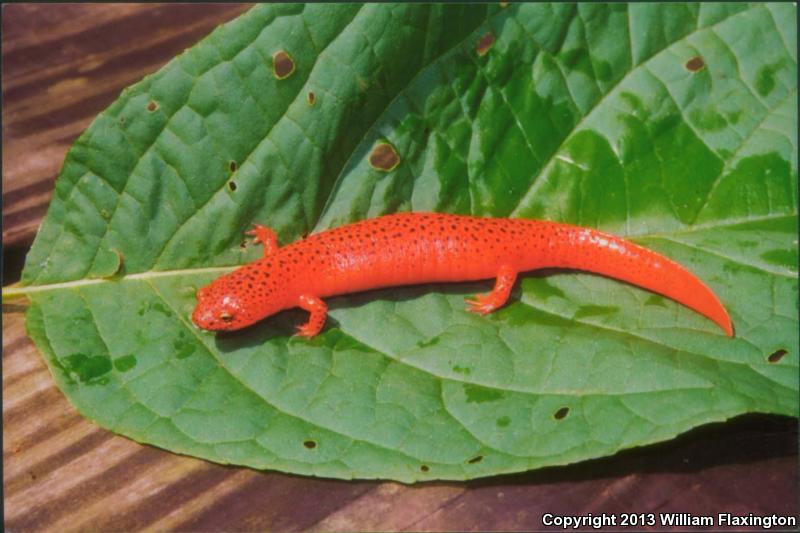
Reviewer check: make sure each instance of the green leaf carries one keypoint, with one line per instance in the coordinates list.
(673, 124)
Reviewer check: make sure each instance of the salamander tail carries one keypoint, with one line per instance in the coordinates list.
(608, 255)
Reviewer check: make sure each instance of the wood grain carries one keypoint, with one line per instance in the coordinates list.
(63, 63)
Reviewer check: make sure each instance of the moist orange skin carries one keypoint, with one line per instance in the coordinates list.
(412, 248)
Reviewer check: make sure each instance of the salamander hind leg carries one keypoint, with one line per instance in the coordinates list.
(265, 236)
(316, 321)
(486, 303)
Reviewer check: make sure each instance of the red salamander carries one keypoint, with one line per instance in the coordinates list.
(412, 248)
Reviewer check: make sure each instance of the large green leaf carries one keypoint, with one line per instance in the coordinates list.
(672, 124)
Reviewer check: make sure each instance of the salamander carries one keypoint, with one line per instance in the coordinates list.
(415, 248)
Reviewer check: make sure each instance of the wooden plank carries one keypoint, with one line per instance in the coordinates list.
(64, 63)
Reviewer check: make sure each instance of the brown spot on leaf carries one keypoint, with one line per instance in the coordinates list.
(282, 64)
(561, 413)
(232, 166)
(424, 468)
(503, 4)
(484, 44)
(476, 459)
(152, 106)
(232, 185)
(310, 444)
(384, 157)
(696, 63)
(777, 355)
(311, 98)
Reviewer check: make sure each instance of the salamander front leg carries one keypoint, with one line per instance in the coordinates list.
(486, 303)
(265, 236)
(318, 311)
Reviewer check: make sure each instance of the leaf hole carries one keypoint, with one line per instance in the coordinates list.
(310, 444)
(484, 44)
(476, 459)
(384, 157)
(777, 355)
(696, 63)
(424, 468)
(282, 64)
(152, 106)
(561, 413)
(232, 185)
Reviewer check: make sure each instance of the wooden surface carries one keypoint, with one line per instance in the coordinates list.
(65, 63)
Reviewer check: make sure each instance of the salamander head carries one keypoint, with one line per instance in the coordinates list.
(236, 300)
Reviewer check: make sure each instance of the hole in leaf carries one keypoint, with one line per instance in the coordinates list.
(696, 63)
(484, 44)
(310, 444)
(424, 468)
(232, 185)
(561, 413)
(282, 65)
(777, 355)
(152, 106)
(476, 459)
(232, 166)
(384, 157)
(311, 98)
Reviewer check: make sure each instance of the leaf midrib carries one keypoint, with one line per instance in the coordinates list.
(20, 290)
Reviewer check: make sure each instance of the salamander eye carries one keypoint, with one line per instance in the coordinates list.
(225, 316)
